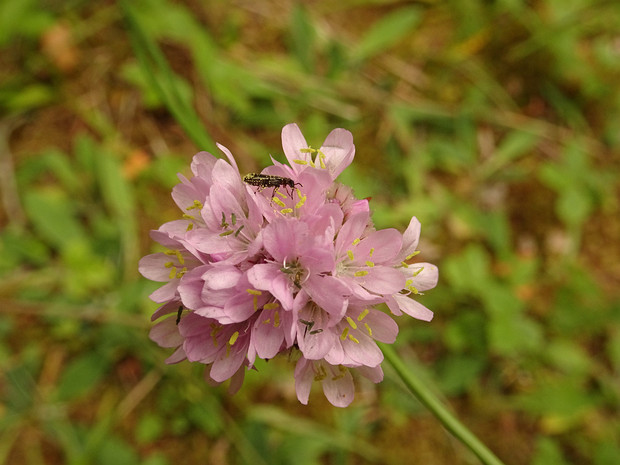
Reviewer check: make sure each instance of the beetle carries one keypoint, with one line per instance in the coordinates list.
(269, 180)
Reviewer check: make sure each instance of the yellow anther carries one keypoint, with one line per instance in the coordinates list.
(180, 257)
(271, 305)
(342, 374)
(406, 265)
(302, 200)
(300, 162)
(321, 157)
(360, 273)
(233, 218)
(284, 211)
(409, 282)
(363, 314)
(255, 302)
(418, 271)
(356, 241)
(214, 332)
(173, 273)
(233, 338)
(354, 339)
(369, 263)
(410, 256)
(188, 217)
(311, 163)
(371, 252)
(276, 319)
(253, 292)
(350, 254)
(190, 227)
(267, 321)
(196, 205)
(321, 374)
(367, 326)
(226, 233)
(169, 264)
(345, 331)
(182, 272)
(308, 150)
(413, 290)
(277, 201)
(351, 322)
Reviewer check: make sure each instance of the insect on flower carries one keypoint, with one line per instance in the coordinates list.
(268, 180)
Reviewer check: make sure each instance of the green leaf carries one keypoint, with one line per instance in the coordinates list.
(80, 376)
(302, 37)
(548, 452)
(511, 334)
(388, 31)
(116, 451)
(54, 217)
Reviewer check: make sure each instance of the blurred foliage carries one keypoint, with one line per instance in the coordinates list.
(495, 123)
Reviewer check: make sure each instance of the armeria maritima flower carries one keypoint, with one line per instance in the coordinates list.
(288, 260)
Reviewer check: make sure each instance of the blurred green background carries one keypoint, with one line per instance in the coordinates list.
(496, 123)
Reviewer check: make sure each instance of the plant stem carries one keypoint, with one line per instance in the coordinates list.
(450, 422)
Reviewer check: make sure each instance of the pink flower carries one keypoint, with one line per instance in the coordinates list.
(291, 262)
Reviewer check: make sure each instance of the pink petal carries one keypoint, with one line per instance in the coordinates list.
(292, 141)
(153, 266)
(304, 375)
(222, 277)
(425, 279)
(374, 374)
(383, 280)
(167, 292)
(413, 308)
(339, 151)
(383, 328)
(166, 333)
(339, 388)
(411, 237)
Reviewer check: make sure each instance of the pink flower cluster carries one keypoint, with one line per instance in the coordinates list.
(257, 270)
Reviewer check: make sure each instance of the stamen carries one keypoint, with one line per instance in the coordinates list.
(321, 159)
(284, 211)
(369, 263)
(360, 273)
(418, 271)
(410, 256)
(271, 305)
(253, 292)
(233, 338)
(276, 319)
(197, 205)
(300, 162)
(214, 331)
(371, 252)
(367, 326)
(302, 200)
(188, 217)
(345, 331)
(406, 265)
(351, 322)
(356, 241)
(350, 254)
(354, 339)
(277, 201)
(190, 227)
(169, 264)
(227, 233)
(238, 230)
(233, 218)
(173, 273)
(363, 314)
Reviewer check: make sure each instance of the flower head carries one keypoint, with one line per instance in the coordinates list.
(288, 260)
